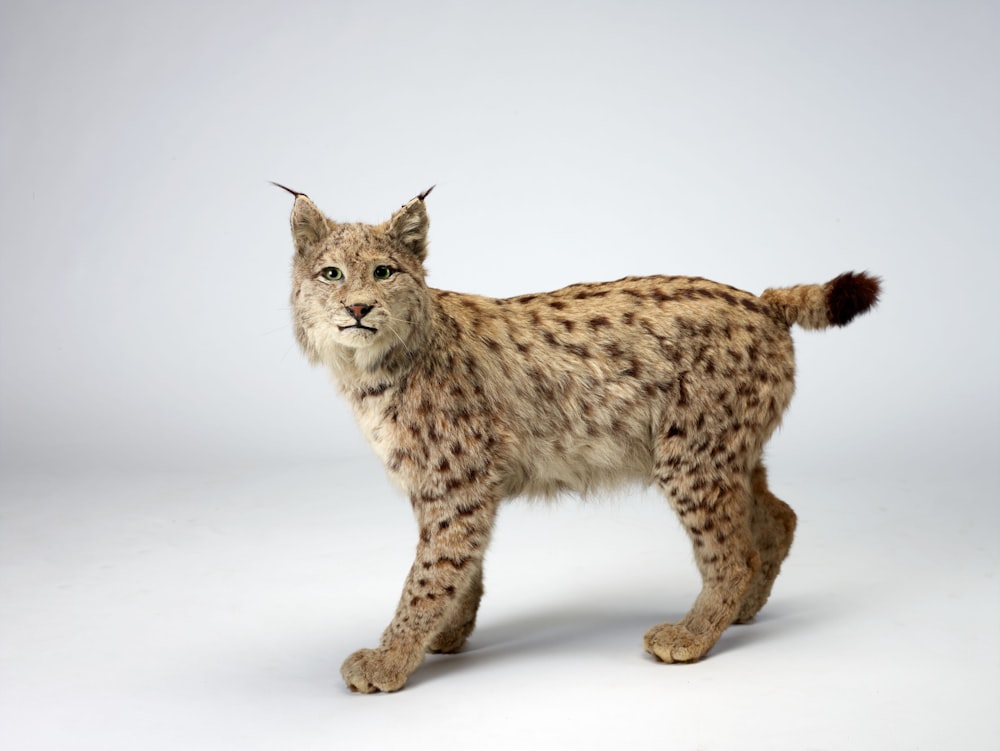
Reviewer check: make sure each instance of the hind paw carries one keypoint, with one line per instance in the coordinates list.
(451, 640)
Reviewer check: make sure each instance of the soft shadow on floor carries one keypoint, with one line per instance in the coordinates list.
(590, 633)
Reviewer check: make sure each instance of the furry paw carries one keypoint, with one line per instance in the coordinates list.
(370, 670)
(669, 642)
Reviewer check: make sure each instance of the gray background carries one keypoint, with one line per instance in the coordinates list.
(152, 398)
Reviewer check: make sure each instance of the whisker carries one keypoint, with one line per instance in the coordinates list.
(396, 334)
(401, 320)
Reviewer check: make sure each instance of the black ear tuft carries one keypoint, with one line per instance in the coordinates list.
(293, 192)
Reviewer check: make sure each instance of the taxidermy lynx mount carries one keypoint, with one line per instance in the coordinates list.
(469, 400)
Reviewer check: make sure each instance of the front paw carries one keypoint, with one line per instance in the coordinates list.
(671, 642)
(370, 670)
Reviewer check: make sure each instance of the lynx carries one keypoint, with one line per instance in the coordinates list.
(468, 400)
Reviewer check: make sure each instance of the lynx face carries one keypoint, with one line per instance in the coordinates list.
(356, 286)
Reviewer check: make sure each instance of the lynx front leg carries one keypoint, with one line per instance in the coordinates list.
(440, 597)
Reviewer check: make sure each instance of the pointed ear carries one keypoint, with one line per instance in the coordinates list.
(309, 226)
(409, 225)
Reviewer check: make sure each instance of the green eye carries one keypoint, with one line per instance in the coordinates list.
(332, 274)
(383, 272)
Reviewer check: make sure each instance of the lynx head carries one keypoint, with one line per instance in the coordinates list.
(358, 290)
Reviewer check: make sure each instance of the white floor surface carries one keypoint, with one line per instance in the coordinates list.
(212, 611)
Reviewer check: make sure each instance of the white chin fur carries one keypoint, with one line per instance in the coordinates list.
(354, 348)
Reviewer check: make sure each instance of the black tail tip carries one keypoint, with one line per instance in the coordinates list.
(850, 295)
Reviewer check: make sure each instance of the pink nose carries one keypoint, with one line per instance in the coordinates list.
(359, 311)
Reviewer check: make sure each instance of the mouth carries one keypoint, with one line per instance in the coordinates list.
(357, 326)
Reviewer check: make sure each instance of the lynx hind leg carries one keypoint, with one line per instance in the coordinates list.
(773, 524)
(714, 505)
(451, 638)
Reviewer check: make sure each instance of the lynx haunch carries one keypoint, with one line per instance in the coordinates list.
(469, 400)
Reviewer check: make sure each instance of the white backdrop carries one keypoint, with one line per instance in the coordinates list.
(144, 333)
(143, 299)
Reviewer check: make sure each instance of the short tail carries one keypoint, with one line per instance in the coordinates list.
(816, 306)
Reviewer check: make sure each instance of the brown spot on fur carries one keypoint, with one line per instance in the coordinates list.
(453, 483)
(469, 510)
(682, 396)
(613, 350)
(373, 391)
